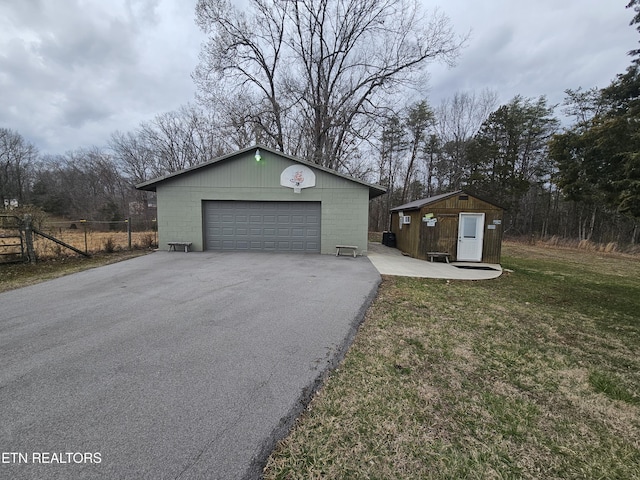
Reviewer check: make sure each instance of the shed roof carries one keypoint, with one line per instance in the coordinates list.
(417, 204)
(150, 185)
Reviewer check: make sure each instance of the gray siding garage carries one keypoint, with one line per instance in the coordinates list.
(262, 226)
(269, 202)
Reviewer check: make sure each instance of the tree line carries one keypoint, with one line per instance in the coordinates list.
(98, 183)
(329, 81)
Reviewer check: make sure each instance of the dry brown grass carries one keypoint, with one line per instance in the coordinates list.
(95, 241)
(574, 244)
(594, 261)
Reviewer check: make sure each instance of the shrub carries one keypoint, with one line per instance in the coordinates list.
(38, 216)
(109, 245)
(148, 240)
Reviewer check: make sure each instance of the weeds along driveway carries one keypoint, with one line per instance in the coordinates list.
(170, 365)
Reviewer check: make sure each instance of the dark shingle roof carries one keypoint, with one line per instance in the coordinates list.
(417, 204)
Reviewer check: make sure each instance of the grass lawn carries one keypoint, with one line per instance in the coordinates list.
(533, 375)
(55, 261)
(16, 275)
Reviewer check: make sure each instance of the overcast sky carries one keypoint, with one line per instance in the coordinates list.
(73, 71)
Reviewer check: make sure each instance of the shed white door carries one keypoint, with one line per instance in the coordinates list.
(267, 226)
(470, 237)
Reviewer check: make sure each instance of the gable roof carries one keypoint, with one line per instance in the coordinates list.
(417, 204)
(150, 185)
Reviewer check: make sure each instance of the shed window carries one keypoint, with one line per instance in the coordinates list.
(469, 226)
(463, 197)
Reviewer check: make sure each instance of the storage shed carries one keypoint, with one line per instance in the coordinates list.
(262, 200)
(462, 225)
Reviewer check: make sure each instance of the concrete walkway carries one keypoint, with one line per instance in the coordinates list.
(391, 261)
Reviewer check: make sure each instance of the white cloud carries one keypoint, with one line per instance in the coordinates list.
(536, 48)
(73, 71)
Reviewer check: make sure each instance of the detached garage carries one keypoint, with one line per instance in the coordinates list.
(258, 199)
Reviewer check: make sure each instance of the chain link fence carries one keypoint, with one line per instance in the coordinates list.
(21, 239)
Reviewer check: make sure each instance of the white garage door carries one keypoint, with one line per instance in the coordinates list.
(266, 226)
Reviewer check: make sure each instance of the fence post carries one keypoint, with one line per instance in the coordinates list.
(129, 231)
(84, 227)
(28, 238)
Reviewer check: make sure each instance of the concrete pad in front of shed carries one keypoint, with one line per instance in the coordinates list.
(391, 261)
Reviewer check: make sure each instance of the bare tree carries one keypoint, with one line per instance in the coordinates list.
(459, 119)
(245, 50)
(419, 120)
(175, 140)
(391, 148)
(84, 183)
(133, 156)
(318, 71)
(172, 141)
(17, 157)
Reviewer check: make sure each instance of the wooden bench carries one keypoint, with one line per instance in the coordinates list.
(346, 247)
(173, 245)
(433, 255)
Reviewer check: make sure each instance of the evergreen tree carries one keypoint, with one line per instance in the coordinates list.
(509, 154)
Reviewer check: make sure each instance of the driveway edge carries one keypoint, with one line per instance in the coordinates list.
(259, 462)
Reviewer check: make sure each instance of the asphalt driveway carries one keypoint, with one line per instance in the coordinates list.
(170, 365)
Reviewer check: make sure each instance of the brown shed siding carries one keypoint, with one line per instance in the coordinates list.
(406, 238)
(417, 238)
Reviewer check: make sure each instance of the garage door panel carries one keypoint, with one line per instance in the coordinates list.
(269, 226)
